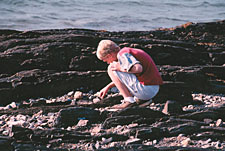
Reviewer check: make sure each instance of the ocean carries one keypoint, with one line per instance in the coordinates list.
(111, 15)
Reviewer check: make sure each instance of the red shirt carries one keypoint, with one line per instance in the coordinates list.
(150, 74)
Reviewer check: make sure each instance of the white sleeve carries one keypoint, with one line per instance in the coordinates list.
(126, 61)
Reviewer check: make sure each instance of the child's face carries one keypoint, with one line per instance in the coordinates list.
(110, 58)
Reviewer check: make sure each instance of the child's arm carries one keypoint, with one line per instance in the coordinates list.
(103, 92)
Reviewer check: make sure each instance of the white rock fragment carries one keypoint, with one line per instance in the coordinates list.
(218, 145)
(186, 142)
(190, 106)
(97, 145)
(180, 136)
(212, 125)
(70, 93)
(132, 140)
(95, 130)
(51, 101)
(219, 123)
(208, 141)
(6, 132)
(106, 140)
(69, 128)
(96, 100)
(17, 123)
(12, 105)
(154, 141)
(82, 123)
(133, 125)
(78, 95)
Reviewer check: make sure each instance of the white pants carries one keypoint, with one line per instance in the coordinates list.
(143, 92)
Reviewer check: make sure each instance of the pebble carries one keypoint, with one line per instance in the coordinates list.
(186, 142)
(212, 125)
(106, 141)
(96, 100)
(70, 93)
(218, 145)
(97, 145)
(78, 95)
(219, 122)
(180, 136)
(209, 100)
(154, 141)
(43, 121)
(69, 128)
(82, 123)
(132, 141)
(95, 130)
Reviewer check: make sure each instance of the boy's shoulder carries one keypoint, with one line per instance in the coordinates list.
(124, 50)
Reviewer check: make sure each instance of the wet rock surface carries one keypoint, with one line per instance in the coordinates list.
(49, 81)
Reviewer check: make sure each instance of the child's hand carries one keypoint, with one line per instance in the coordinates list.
(103, 92)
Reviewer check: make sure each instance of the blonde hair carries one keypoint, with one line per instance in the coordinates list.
(106, 47)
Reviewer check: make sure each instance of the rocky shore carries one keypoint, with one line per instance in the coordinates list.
(49, 81)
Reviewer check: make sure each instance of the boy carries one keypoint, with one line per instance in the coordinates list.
(132, 71)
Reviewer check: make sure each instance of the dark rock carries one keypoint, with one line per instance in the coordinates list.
(172, 107)
(53, 62)
(20, 133)
(151, 133)
(201, 115)
(54, 136)
(109, 101)
(24, 147)
(38, 83)
(142, 112)
(70, 116)
(177, 91)
(132, 147)
(179, 148)
(48, 63)
(187, 128)
(133, 115)
(5, 143)
(119, 120)
(209, 134)
(114, 137)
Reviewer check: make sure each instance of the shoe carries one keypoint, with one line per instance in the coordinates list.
(143, 103)
(124, 105)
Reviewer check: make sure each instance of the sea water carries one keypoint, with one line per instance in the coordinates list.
(111, 15)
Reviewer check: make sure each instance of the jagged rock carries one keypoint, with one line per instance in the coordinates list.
(5, 143)
(172, 148)
(142, 112)
(71, 116)
(172, 107)
(52, 62)
(131, 147)
(187, 128)
(133, 141)
(151, 133)
(52, 135)
(20, 133)
(113, 136)
(38, 66)
(39, 83)
(119, 120)
(201, 115)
